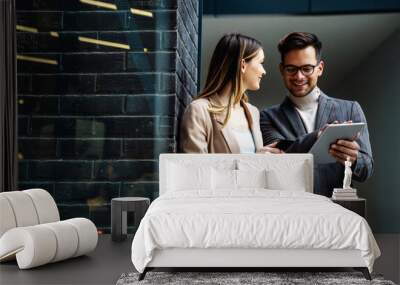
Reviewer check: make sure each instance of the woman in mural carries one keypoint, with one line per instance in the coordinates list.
(220, 119)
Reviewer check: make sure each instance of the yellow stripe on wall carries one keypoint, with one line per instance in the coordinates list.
(103, 43)
(54, 34)
(98, 4)
(27, 29)
(37, 59)
(142, 12)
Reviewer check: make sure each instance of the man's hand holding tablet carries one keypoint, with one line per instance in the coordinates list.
(343, 149)
(341, 140)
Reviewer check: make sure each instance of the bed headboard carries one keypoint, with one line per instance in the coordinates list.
(286, 167)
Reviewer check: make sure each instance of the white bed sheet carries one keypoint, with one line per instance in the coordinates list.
(252, 218)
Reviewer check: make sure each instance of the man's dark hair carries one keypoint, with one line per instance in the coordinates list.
(299, 40)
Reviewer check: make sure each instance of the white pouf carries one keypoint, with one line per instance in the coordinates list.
(31, 232)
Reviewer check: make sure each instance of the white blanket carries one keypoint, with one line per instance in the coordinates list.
(252, 218)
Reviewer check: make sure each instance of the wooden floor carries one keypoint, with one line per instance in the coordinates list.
(110, 259)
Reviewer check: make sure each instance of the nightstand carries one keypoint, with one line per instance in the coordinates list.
(119, 208)
(358, 205)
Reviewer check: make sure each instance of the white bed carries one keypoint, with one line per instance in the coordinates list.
(247, 211)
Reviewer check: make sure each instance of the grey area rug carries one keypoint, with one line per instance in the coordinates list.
(243, 278)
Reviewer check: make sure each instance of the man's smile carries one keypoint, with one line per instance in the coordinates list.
(302, 83)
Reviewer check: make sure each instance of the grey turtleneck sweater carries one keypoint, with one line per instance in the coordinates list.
(307, 107)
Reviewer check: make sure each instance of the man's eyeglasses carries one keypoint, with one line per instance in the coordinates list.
(307, 69)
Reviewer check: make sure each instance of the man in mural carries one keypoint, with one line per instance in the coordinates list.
(298, 121)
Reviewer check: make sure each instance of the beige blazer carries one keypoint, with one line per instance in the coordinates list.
(202, 131)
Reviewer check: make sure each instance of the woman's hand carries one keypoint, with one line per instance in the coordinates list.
(270, 148)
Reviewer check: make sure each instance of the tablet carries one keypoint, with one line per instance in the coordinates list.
(330, 135)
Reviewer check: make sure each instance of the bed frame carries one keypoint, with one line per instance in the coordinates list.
(242, 259)
(246, 258)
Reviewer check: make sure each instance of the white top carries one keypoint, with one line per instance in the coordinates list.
(245, 139)
(239, 126)
(307, 108)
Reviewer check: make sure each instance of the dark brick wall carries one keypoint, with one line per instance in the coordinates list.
(187, 53)
(92, 127)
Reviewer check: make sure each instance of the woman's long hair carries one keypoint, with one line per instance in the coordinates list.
(225, 68)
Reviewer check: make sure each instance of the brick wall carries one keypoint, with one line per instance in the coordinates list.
(92, 125)
(187, 48)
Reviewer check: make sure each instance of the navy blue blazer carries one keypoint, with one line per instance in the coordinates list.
(283, 122)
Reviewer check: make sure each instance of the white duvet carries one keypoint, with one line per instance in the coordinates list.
(250, 219)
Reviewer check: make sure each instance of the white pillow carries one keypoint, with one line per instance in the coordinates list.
(226, 179)
(283, 172)
(223, 179)
(293, 179)
(183, 177)
(251, 178)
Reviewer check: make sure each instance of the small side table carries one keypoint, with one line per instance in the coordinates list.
(358, 205)
(119, 208)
